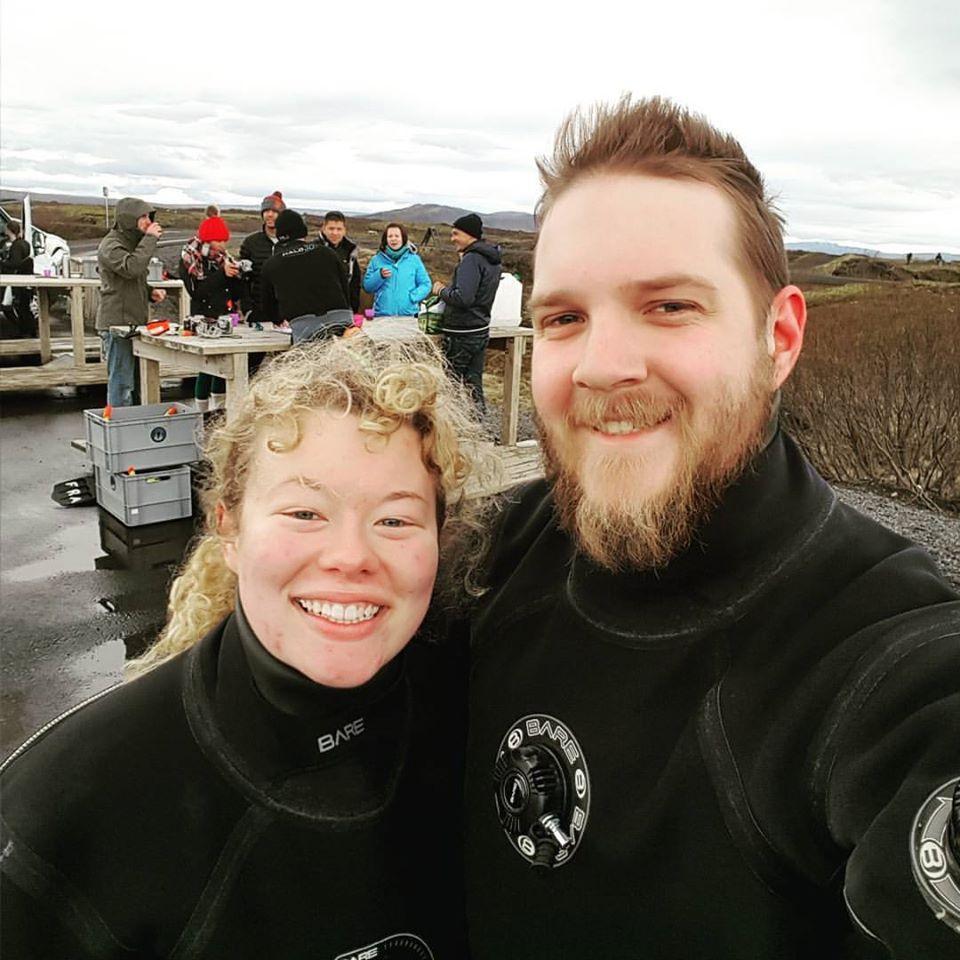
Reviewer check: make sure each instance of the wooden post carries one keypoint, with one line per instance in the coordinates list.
(149, 380)
(237, 385)
(512, 366)
(183, 300)
(76, 327)
(46, 350)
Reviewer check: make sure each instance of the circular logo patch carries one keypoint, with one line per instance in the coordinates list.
(158, 434)
(931, 855)
(401, 946)
(542, 790)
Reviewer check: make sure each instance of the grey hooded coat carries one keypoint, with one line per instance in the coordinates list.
(123, 257)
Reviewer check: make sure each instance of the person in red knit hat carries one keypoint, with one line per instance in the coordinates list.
(212, 278)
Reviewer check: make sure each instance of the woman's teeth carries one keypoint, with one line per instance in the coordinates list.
(338, 612)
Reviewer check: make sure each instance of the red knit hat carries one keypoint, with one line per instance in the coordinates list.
(213, 228)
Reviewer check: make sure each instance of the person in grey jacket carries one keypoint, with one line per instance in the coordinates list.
(123, 258)
(468, 299)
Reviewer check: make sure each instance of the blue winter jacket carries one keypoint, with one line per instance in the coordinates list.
(400, 295)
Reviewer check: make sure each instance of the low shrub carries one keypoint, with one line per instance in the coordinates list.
(875, 398)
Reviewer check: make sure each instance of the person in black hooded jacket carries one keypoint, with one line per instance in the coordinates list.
(713, 711)
(304, 283)
(282, 778)
(468, 299)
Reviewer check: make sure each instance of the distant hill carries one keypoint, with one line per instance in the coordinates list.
(438, 213)
(839, 250)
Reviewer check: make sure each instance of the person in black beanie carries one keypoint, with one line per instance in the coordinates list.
(258, 248)
(465, 325)
(305, 284)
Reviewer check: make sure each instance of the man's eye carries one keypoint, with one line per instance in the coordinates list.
(561, 320)
(673, 306)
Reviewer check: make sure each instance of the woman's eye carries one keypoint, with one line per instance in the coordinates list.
(303, 515)
(394, 522)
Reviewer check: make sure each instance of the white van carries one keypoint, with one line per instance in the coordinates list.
(49, 250)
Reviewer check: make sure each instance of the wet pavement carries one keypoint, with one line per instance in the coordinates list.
(78, 590)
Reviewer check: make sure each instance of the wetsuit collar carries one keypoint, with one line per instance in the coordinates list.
(288, 743)
(292, 693)
(759, 528)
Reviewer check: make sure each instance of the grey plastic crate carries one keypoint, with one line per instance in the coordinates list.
(149, 497)
(142, 437)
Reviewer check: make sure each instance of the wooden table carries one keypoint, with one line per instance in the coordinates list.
(52, 373)
(511, 339)
(224, 357)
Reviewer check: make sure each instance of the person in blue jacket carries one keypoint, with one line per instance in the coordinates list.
(396, 276)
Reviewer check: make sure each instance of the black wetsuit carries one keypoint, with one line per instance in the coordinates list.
(226, 806)
(735, 745)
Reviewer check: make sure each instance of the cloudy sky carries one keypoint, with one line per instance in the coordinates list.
(849, 107)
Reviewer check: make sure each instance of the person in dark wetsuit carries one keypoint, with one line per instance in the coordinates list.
(713, 711)
(282, 779)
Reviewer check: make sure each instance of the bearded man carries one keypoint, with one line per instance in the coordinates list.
(714, 711)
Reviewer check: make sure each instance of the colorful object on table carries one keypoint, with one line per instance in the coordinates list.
(368, 313)
(158, 327)
(131, 471)
(170, 411)
(107, 412)
(358, 319)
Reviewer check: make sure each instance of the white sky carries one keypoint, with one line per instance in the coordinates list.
(851, 108)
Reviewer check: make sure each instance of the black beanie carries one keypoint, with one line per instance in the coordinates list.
(291, 226)
(470, 223)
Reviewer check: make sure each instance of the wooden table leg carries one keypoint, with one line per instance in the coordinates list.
(149, 380)
(46, 350)
(512, 367)
(183, 302)
(237, 385)
(76, 327)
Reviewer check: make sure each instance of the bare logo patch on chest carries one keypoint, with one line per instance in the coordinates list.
(542, 790)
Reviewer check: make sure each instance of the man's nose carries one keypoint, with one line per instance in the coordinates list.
(347, 549)
(613, 352)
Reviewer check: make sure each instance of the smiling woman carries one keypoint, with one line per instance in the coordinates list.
(281, 777)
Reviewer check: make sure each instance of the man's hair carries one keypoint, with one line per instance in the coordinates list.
(332, 215)
(658, 138)
(13, 228)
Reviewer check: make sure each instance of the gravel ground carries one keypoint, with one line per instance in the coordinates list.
(939, 533)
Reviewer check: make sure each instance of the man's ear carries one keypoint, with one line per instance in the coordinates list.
(786, 322)
(227, 531)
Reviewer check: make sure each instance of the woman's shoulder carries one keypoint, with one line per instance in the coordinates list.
(113, 749)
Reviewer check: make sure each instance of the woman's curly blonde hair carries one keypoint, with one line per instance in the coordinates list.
(386, 385)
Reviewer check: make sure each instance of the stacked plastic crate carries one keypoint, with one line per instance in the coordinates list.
(141, 458)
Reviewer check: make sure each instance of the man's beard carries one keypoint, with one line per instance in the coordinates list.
(625, 531)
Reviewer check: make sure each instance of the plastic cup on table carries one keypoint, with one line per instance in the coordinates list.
(368, 314)
(358, 319)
